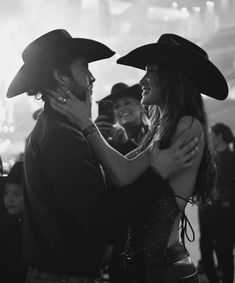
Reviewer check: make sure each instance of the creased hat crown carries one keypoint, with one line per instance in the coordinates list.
(39, 45)
(179, 53)
(52, 50)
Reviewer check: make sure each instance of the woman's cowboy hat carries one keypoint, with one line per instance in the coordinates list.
(51, 51)
(180, 52)
(134, 91)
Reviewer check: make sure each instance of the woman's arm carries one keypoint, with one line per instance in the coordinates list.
(183, 182)
(122, 170)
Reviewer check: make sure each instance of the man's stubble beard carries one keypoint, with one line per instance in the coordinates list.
(78, 91)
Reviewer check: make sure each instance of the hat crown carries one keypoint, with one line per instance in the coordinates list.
(123, 90)
(176, 40)
(45, 41)
(118, 87)
(16, 173)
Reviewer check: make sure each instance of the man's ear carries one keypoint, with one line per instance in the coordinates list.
(61, 78)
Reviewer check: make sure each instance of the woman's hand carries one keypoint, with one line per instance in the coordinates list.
(180, 155)
(119, 134)
(76, 111)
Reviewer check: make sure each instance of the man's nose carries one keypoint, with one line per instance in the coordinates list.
(143, 80)
(91, 78)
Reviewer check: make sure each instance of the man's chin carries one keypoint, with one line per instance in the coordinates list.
(81, 95)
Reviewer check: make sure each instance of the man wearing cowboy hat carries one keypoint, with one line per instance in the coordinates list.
(64, 183)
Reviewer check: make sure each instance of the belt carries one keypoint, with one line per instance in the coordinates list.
(45, 275)
(173, 254)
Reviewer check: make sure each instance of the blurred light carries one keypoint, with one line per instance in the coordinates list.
(165, 18)
(185, 12)
(210, 3)
(5, 129)
(4, 144)
(196, 9)
(11, 129)
(224, 3)
(174, 4)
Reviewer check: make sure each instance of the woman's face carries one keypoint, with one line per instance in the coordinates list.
(151, 86)
(13, 198)
(127, 111)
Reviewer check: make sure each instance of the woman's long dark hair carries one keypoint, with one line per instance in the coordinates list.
(180, 97)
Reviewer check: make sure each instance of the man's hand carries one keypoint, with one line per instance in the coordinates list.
(180, 155)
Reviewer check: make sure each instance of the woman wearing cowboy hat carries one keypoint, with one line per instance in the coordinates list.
(131, 122)
(177, 72)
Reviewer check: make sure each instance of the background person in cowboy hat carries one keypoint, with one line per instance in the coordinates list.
(130, 126)
(177, 72)
(12, 267)
(64, 183)
(129, 115)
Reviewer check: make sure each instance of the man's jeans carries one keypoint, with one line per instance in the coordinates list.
(35, 275)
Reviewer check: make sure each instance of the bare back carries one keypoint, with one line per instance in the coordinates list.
(183, 183)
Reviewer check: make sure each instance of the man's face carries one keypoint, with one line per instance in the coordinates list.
(127, 111)
(81, 78)
(151, 86)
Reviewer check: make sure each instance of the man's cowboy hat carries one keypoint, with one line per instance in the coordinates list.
(134, 91)
(50, 51)
(180, 52)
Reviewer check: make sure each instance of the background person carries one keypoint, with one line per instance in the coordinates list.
(217, 229)
(12, 267)
(131, 125)
(129, 114)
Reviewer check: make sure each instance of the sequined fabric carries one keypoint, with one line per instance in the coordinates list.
(150, 231)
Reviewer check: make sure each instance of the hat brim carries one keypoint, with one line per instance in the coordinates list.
(31, 72)
(134, 91)
(205, 74)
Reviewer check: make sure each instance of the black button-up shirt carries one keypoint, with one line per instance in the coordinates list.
(64, 191)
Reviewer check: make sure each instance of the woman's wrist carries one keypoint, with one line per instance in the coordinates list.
(85, 123)
(89, 130)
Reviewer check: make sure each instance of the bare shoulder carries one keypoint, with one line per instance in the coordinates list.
(189, 123)
(183, 183)
(196, 130)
